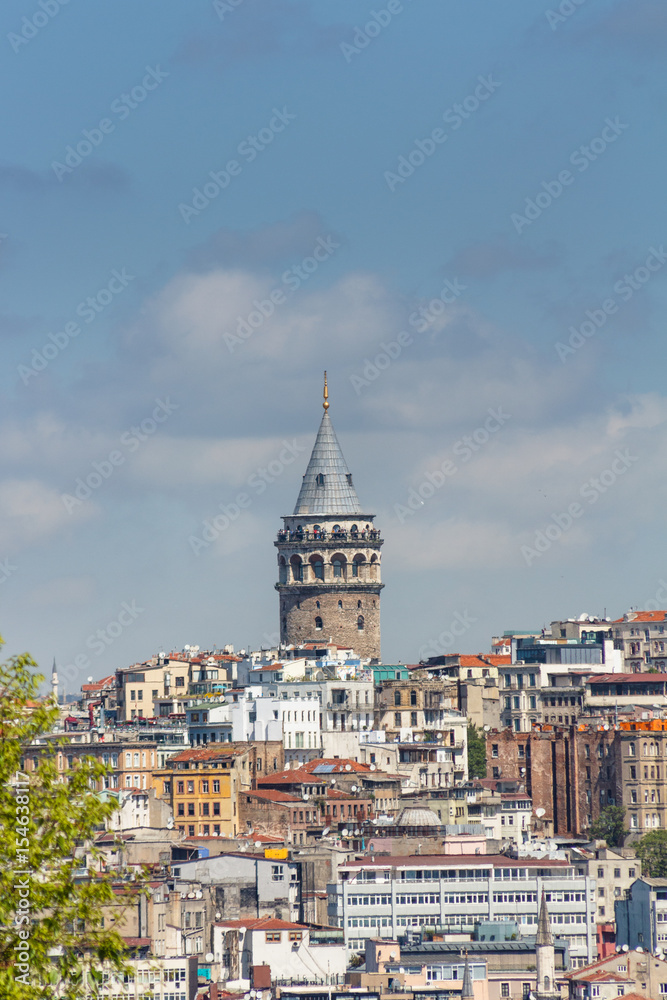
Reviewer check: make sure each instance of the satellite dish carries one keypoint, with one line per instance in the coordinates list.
(486, 728)
(326, 830)
(348, 767)
(209, 956)
(354, 788)
(357, 832)
(90, 680)
(346, 833)
(540, 812)
(639, 949)
(258, 843)
(191, 895)
(218, 915)
(199, 894)
(333, 781)
(606, 726)
(373, 768)
(625, 947)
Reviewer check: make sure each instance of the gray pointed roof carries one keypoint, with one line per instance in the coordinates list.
(466, 986)
(337, 495)
(544, 935)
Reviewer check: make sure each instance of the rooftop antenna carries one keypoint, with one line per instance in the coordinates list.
(325, 404)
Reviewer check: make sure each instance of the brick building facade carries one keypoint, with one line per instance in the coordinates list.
(571, 772)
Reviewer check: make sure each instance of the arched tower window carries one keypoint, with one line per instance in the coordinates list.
(319, 479)
(317, 604)
(358, 604)
(357, 563)
(284, 624)
(282, 570)
(318, 624)
(318, 567)
(297, 568)
(338, 564)
(360, 623)
(340, 605)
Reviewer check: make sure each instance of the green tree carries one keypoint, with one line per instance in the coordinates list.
(44, 902)
(652, 852)
(476, 752)
(610, 826)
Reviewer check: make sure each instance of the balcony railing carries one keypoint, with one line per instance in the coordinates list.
(372, 535)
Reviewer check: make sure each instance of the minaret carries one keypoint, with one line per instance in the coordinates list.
(544, 953)
(54, 681)
(329, 556)
(466, 986)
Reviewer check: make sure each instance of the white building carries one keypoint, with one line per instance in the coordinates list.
(381, 897)
(285, 947)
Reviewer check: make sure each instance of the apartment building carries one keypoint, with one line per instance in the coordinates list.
(383, 896)
(156, 688)
(641, 638)
(634, 974)
(642, 763)
(641, 916)
(614, 873)
(417, 705)
(202, 785)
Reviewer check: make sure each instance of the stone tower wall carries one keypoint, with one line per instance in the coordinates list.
(298, 611)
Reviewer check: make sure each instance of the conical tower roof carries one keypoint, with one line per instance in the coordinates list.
(327, 485)
(544, 935)
(466, 985)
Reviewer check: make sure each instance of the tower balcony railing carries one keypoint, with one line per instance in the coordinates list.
(321, 535)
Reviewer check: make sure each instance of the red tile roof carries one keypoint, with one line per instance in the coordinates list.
(263, 924)
(208, 752)
(641, 616)
(272, 795)
(625, 678)
(453, 861)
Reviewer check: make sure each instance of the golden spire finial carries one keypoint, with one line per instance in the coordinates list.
(325, 404)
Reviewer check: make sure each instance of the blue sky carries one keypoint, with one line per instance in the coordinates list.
(483, 107)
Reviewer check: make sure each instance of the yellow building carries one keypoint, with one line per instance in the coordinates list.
(203, 784)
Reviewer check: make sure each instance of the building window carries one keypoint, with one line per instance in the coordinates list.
(360, 623)
(318, 624)
(397, 697)
(494, 749)
(413, 697)
(504, 989)
(337, 567)
(319, 479)
(295, 935)
(318, 569)
(397, 719)
(272, 937)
